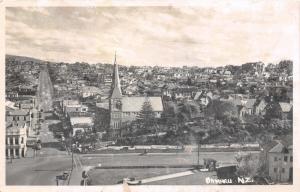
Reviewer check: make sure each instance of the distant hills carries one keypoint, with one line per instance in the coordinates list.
(242, 68)
(23, 58)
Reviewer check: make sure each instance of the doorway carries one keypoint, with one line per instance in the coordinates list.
(291, 174)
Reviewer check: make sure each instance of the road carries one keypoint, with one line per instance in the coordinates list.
(44, 91)
(43, 169)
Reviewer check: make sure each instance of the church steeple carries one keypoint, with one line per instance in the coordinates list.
(116, 86)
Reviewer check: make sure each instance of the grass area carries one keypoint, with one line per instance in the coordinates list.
(112, 176)
(157, 159)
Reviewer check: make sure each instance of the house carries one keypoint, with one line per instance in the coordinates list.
(88, 91)
(227, 73)
(184, 92)
(26, 90)
(202, 98)
(286, 110)
(75, 108)
(249, 105)
(16, 137)
(280, 160)
(18, 117)
(244, 106)
(81, 127)
(260, 107)
(81, 123)
(11, 94)
(10, 106)
(65, 102)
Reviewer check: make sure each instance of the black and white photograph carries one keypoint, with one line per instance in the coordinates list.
(150, 95)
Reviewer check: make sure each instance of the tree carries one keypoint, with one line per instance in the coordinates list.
(280, 127)
(146, 117)
(221, 110)
(273, 111)
(189, 81)
(101, 123)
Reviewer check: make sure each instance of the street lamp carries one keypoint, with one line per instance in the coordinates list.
(198, 154)
(72, 150)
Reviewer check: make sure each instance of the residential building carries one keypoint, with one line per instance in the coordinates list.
(286, 110)
(260, 107)
(81, 123)
(88, 91)
(75, 108)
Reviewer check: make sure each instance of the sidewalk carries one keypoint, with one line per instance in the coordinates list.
(164, 177)
(75, 177)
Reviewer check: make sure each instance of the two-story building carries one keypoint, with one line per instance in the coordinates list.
(16, 137)
(19, 117)
(280, 161)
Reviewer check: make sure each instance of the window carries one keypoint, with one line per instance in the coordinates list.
(17, 141)
(285, 158)
(282, 170)
(275, 158)
(6, 152)
(275, 170)
(22, 140)
(17, 152)
(11, 140)
(291, 159)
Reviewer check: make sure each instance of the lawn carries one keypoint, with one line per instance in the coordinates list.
(112, 176)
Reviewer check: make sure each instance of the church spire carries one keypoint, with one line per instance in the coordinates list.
(116, 92)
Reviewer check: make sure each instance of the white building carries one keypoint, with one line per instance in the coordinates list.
(16, 138)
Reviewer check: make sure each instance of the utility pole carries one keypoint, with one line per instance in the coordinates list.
(72, 160)
(72, 151)
(198, 159)
(198, 155)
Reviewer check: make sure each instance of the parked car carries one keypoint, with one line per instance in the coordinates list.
(65, 175)
(132, 181)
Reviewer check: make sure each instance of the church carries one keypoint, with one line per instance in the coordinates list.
(124, 109)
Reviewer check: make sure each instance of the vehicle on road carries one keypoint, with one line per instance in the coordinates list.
(144, 153)
(131, 181)
(63, 176)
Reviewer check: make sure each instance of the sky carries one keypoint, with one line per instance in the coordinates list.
(208, 34)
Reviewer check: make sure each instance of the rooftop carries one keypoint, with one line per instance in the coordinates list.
(285, 107)
(18, 112)
(134, 104)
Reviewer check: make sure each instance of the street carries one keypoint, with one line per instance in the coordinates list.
(43, 169)
(44, 92)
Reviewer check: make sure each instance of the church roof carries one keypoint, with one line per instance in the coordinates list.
(116, 93)
(134, 104)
